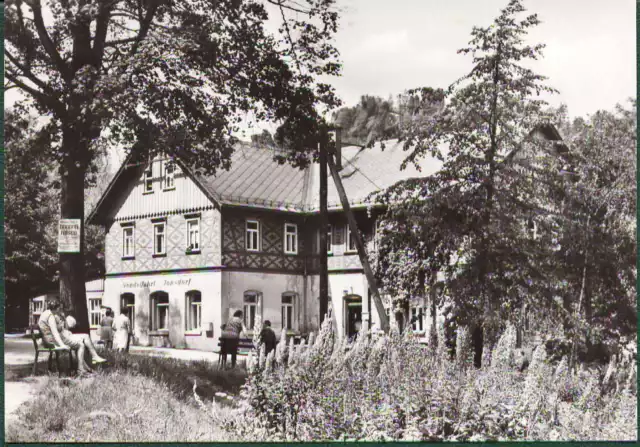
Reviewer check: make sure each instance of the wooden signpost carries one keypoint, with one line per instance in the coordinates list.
(327, 160)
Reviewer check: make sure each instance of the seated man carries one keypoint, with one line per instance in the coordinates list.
(55, 332)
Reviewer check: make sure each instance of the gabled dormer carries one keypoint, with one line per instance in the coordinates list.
(158, 218)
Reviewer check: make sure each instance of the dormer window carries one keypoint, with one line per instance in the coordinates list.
(169, 175)
(148, 179)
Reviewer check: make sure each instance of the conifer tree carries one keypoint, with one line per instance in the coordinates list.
(467, 220)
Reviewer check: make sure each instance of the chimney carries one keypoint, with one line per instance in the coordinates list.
(338, 148)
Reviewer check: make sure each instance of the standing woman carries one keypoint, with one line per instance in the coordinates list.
(122, 326)
(106, 329)
(235, 327)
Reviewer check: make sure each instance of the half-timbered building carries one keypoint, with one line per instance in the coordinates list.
(183, 252)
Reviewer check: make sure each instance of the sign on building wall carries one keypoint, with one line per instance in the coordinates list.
(69, 236)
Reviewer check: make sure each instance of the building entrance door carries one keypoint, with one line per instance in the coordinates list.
(353, 317)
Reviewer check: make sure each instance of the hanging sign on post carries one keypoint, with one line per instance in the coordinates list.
(69, 236)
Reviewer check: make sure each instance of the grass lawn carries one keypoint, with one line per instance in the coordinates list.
(133, 399)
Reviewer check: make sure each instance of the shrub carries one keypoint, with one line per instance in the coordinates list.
(391, 387)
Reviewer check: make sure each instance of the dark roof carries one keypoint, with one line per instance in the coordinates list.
(255, 179)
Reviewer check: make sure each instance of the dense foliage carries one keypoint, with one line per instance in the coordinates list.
(29, 221)
(394, 388)
(32, 194)
(502, 229)
(164, 75)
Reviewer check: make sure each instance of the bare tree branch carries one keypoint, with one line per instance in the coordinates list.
(102, 26)
(293, 48)
(15, 78)
(145, 25)
(283, 4)
(114, 43)
(26, 72)
(46, 41)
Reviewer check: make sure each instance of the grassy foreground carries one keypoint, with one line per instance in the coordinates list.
(133, 399)
(389, 389)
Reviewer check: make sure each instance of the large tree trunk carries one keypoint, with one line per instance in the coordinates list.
(72, 269)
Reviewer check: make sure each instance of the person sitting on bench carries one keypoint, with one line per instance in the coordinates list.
(55, 332)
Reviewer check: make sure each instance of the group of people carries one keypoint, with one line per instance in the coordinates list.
(115, 332)
(55, 329)
(230, 338)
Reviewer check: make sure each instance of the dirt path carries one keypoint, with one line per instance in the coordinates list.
(18, 392)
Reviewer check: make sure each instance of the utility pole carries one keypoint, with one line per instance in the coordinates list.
(324, 273)
(353, 227)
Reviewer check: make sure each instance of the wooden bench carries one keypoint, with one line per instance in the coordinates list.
(40, 347)
(244, 344)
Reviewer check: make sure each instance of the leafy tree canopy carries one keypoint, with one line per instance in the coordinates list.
(467, 219)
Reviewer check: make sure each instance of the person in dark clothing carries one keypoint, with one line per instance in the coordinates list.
(235, 327)
(268, 337)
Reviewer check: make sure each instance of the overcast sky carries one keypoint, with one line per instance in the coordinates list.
(389, 46)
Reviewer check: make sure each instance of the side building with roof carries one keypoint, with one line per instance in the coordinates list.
(183, 252)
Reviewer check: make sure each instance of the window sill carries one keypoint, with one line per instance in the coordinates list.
(351, 252)
(146, 193)
(252, 251)
(192, 252)
(159, 255)
(159, 333)
(173, 188)
(128, 258)
(291, 253)
(196, 332)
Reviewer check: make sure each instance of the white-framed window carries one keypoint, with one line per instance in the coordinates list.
(168, 179)
(250, 309)
(252, 242)
(94, 311)
(330, 240)
(194, 310)
(291, 239)
(148, 179)
(193, 234)
(351, 241)
(159, 320)
(159, 238)
(128, 241)
(288, 310)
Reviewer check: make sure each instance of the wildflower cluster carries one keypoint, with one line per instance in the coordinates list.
(392, 387)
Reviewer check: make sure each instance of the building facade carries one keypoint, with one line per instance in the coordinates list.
(184, 252)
